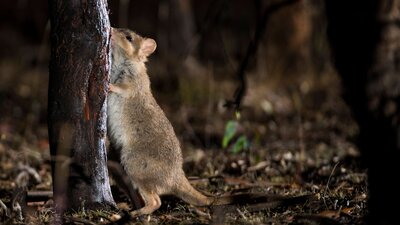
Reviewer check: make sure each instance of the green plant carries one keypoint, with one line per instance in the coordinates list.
(231, 130)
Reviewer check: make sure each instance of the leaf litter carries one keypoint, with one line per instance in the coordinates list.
(302, 152)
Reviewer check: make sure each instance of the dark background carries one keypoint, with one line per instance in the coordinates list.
(300, 132)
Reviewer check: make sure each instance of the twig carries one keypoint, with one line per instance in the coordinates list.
(4, 207)
(24, 175)
(327, 184)
(18, 199)
(251, 50)
(38, 196)
(280, 201)
(22, 179)
(18, 210)
(241, 214)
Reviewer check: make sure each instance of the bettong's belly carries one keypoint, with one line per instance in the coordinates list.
(115, 119)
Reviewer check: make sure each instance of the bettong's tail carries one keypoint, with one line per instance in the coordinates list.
(190, 195)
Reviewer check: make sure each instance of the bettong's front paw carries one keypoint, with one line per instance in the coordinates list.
(111, 88)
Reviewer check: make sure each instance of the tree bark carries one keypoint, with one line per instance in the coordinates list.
(364, 37)
(78, 86)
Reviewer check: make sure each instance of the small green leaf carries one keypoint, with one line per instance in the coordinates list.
(230, 130)
(241, 143)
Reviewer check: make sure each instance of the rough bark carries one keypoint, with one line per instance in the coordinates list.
(364, 37)
(79, 73)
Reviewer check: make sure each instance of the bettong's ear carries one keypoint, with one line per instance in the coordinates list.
(148, 46)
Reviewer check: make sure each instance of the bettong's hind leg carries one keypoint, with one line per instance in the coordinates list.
(152, 203)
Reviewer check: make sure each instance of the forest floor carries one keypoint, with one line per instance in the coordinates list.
(292, 139)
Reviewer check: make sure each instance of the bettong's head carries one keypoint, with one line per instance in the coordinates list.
(127, 45)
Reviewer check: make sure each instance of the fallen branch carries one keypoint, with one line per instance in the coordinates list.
(39, 196)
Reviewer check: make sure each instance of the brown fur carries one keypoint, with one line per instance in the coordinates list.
(150, 150)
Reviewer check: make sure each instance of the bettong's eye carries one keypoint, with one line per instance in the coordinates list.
(129, 38)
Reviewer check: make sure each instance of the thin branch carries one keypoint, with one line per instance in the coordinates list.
(251, 51)
(327, 183)
(38, 196)
(4, 207)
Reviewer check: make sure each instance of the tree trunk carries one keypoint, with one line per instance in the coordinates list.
(78, 86)
(364, 37)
